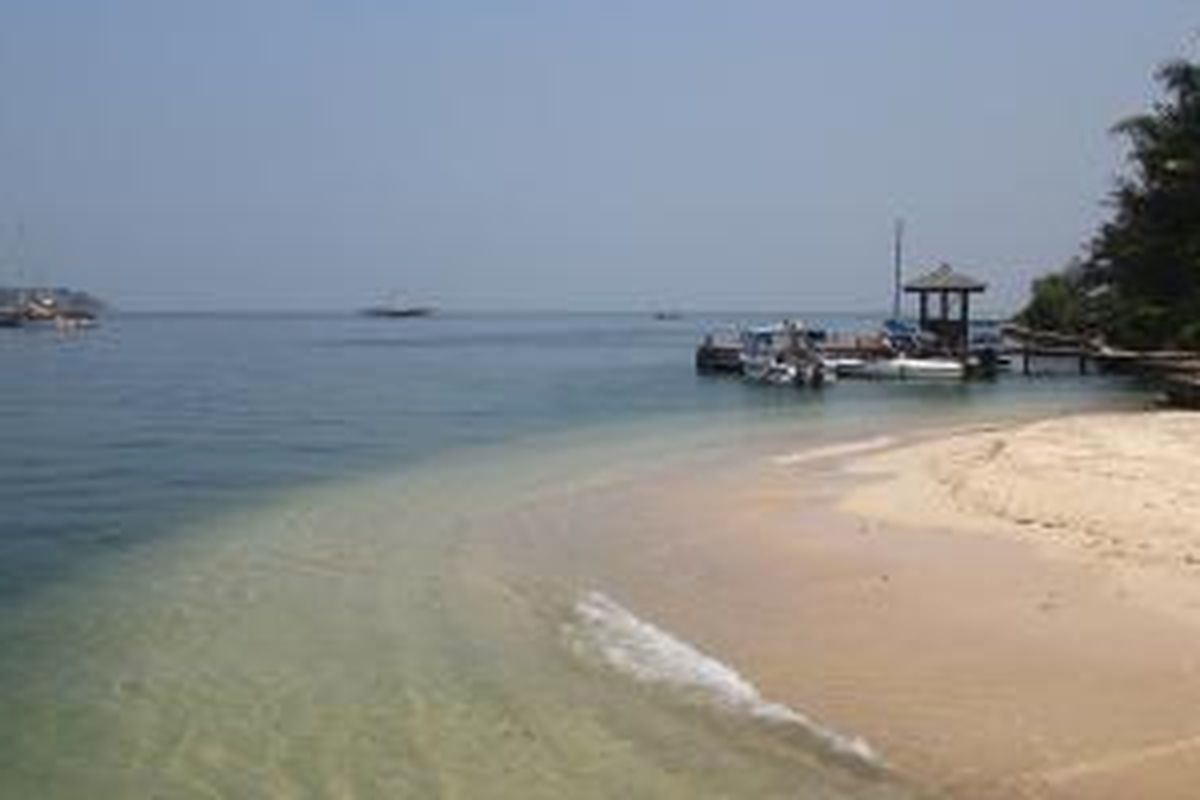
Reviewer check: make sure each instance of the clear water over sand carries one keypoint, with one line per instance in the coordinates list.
(330, 557)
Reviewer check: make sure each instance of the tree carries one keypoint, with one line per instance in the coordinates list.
(1140, 279)
(1057, 304)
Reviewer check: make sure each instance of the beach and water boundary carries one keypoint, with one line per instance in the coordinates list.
(380, 638)
(273, 653)
(412, 631)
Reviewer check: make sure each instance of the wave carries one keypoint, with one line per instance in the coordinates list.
(603, 628)
(834, 451)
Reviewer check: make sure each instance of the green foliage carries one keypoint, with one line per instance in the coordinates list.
(1057, 305)
(1140, 281)
(1188, 337)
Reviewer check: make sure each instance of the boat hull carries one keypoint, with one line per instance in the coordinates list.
(397, 313)
(937, 369)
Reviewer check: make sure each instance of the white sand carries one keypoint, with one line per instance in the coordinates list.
(1119, 490)
(975, 665)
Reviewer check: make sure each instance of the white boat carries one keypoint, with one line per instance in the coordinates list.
(843, 366)
(782, 355)
(774, 372)
(910, 368)
(760, 356)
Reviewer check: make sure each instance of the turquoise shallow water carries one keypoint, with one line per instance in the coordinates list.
(240, 557)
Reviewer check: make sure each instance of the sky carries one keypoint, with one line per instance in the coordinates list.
(497, 154)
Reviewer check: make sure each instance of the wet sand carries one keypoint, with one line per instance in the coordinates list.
(967, 656)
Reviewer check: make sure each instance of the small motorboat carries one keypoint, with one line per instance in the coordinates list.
(843, 366)
(782, 355)
(397, 311)
(913, 368)
(776, 373)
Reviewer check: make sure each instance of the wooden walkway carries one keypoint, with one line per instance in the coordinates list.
(1176, 371)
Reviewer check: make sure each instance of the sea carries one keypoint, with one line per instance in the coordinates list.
(273, 555)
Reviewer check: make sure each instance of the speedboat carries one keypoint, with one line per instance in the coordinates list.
(912, 368)
(397, 312)
(394, 308)
(781, 355)
(776, 373)
(843, 366)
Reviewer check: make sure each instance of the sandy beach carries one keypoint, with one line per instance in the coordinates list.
(1119, 493)
(1000, 613)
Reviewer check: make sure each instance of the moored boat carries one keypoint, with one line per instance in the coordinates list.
(719, 354)
(911, 368)
(782, 354)
(843, 366)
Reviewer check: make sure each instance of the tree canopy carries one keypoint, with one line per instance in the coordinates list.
(1139, 281)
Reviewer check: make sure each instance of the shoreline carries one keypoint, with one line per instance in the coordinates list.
(972, 664)
(981, 664)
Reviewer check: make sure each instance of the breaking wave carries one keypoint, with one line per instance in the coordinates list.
(603, 628)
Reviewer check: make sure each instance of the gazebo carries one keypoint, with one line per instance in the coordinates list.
(944, 282)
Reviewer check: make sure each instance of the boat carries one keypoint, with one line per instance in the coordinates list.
(906, 336)
(40, 306)
(393, 309)
(63, 308)
(777, 373)
(905, 367)
(384, 311)
(48, 307)
(843, 366)
(719, 354)
(988, 346)
(781, 355)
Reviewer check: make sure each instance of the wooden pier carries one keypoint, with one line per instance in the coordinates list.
(1030, 344)
(1177, 372)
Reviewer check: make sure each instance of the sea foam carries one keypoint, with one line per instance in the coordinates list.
(603, 628)
(834, 451)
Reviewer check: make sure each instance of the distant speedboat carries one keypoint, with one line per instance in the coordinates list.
(393, 310)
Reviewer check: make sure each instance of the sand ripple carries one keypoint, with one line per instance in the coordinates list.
(1122, 489)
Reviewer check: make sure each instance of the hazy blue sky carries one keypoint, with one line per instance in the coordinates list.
(272, 153)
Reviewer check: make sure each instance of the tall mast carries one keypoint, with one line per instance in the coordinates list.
(20, 256)
(897, 253)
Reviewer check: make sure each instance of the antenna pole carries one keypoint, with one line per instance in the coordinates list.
(897, 253)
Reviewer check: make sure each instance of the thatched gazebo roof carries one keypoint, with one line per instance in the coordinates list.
(945, 279)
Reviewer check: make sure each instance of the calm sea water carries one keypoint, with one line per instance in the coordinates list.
(238, 558)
